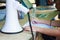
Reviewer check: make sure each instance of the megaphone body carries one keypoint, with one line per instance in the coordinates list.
(12, 24)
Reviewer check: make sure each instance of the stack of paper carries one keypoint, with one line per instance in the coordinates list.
(38, 25)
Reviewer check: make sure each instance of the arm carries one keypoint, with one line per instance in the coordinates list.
(56, 23)
(49, 22)
(53, 23)
(50, 32)
(47, 31)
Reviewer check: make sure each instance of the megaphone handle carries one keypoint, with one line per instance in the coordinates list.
(30, 25)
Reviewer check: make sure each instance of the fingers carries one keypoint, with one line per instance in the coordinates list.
(34, 22)
(27, 28)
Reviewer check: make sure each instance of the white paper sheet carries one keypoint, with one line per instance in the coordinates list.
(38, 25)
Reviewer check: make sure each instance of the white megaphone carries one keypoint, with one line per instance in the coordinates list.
(12, 24)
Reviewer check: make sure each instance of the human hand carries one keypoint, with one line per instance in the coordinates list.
(35, 29)
(35, 20)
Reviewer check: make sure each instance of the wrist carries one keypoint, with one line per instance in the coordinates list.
(50, 22)
(38, 29)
